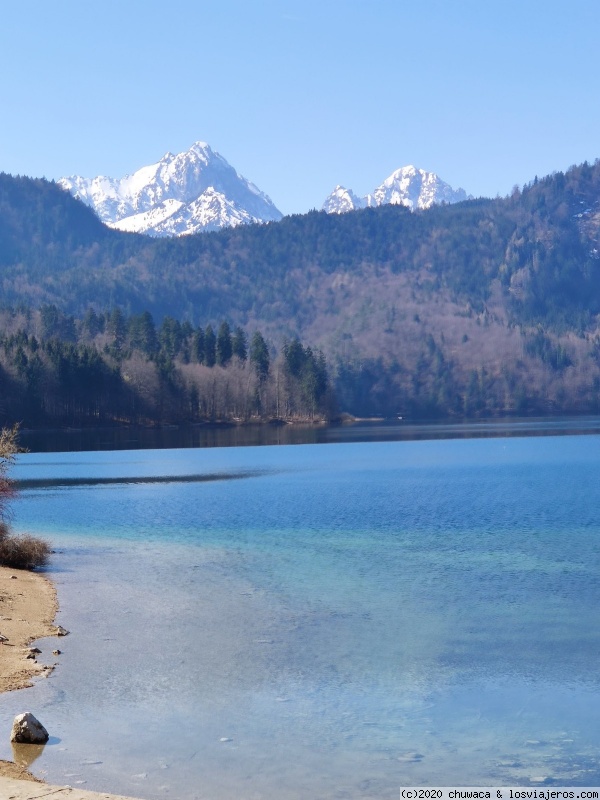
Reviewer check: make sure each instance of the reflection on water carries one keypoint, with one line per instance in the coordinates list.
(346, 620)
(26, 754)
(204, 436)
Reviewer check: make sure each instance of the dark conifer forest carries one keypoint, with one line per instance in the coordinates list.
(107, 368)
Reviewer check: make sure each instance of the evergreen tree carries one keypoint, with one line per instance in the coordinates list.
(259, 356)
(186, 329)
(198, 346)
(224, 345)
(170, 336)
(142, 333)
(116, 326)
(20, 361)
(210, 346)
(240, 344)
(92, 323)
(294, 357)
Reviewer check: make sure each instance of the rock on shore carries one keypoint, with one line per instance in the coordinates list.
(27, 729)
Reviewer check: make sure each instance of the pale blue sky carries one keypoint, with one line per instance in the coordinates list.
(299, 95)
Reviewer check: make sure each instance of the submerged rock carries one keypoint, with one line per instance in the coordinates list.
(27, 729)
(411, 757)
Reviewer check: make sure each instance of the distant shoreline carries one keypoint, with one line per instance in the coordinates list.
(348, 429)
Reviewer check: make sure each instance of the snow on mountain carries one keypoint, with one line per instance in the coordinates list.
(407, 186)
(342, 200)
(181, 194)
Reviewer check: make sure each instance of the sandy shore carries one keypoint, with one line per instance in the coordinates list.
(28, 606)
(27, 609)
(22, 790)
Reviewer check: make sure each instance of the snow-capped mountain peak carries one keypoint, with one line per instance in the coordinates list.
(407, 186)
(342, 200)
(182, 193)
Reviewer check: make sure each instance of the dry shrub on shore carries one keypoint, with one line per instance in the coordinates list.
(18, 551)
(22, 551)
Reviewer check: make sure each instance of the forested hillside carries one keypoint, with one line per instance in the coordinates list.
(484, 307)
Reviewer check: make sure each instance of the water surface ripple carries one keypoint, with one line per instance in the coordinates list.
(347, 619)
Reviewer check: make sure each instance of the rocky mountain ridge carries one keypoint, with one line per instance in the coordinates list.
(407, 186)
(193, 191)
(198, 190)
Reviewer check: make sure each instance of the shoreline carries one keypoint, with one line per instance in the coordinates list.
(198, 436)
(28, 606)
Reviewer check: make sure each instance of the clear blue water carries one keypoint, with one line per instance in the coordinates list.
(322, 621)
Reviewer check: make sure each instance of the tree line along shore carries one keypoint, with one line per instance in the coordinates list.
(113, 368)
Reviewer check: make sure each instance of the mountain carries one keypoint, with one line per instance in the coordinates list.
(480, 307)
(407, 186)
(199, 191)
(181, 194)
(342, 200)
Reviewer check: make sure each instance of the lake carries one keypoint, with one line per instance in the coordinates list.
(320, 621)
